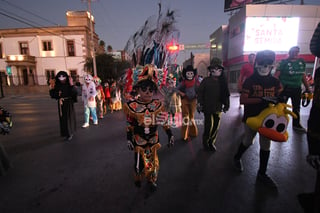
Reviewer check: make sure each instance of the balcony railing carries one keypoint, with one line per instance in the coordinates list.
(20, 58)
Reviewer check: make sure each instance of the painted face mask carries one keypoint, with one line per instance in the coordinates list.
(264, 67)
(62, 78)
(189, 75)
(216, 71)
(88, 78)
(96, 80)
(264, 70)
(264, 62)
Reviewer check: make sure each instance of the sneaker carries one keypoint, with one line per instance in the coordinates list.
(212, 147)
(266, 180)
(238, 164)
(299, 128)
(69, 138)
(85, 125)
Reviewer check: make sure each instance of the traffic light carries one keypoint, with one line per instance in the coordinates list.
(173, 47)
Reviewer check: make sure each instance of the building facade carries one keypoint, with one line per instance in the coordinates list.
(31, 56)
(270, 31)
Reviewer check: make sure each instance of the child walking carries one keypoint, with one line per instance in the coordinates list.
(144, 114)
(213, 97)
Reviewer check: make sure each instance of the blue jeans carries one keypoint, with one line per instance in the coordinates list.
(87, 111)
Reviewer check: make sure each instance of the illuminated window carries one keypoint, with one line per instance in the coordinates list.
(47, 46)
(24, 48)
(70, 48)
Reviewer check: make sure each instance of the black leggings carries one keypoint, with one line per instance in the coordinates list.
(295, 95)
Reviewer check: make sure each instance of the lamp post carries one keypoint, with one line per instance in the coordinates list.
(93, 55)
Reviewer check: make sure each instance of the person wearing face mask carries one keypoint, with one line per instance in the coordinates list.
(89, 93)
(144, 115)
(291, 73)
(63, 90)
(259, 85)
(213, 98)
(187, 90)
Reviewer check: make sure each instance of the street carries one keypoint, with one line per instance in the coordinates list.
(93, 172)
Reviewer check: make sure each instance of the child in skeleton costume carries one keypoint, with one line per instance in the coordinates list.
(172, 100)
(100, 96)
(144, 114)
(213, 97)
(5, 127)
(187, 90)
(63, 90)
(89, 93)
(259, 85)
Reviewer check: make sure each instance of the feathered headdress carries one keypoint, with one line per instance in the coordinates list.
(141, 73)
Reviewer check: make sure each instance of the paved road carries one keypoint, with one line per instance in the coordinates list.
(93, 172)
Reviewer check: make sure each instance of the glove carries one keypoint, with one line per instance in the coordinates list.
(130, 145)
(171, 141)
(199, 108)
(314, 161)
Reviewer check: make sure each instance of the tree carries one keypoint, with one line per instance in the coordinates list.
(108, 68)
(109, 49)
(101, 48)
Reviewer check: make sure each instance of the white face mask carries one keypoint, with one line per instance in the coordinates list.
(264, 70)
(62, 78)
(189, 75)
(88, 79)
(216, 72)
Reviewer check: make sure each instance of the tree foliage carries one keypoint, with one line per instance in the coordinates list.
(108, 68)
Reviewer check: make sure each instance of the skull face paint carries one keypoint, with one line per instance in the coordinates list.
(62, 78)
(189, 75)
(215, 72)
(264, 70)
(88, 78)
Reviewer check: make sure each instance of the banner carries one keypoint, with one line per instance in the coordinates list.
(273, 33)
(236, 4)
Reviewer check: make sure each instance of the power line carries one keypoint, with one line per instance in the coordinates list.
(40, 28)
(29, 12)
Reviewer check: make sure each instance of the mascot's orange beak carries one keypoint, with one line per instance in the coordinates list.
(272, 134)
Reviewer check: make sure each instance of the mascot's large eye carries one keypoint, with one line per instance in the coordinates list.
(269, 123)
(279, 124)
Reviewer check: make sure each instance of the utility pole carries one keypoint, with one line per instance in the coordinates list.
(93, 52)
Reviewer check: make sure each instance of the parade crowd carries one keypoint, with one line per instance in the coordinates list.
(263, 87)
